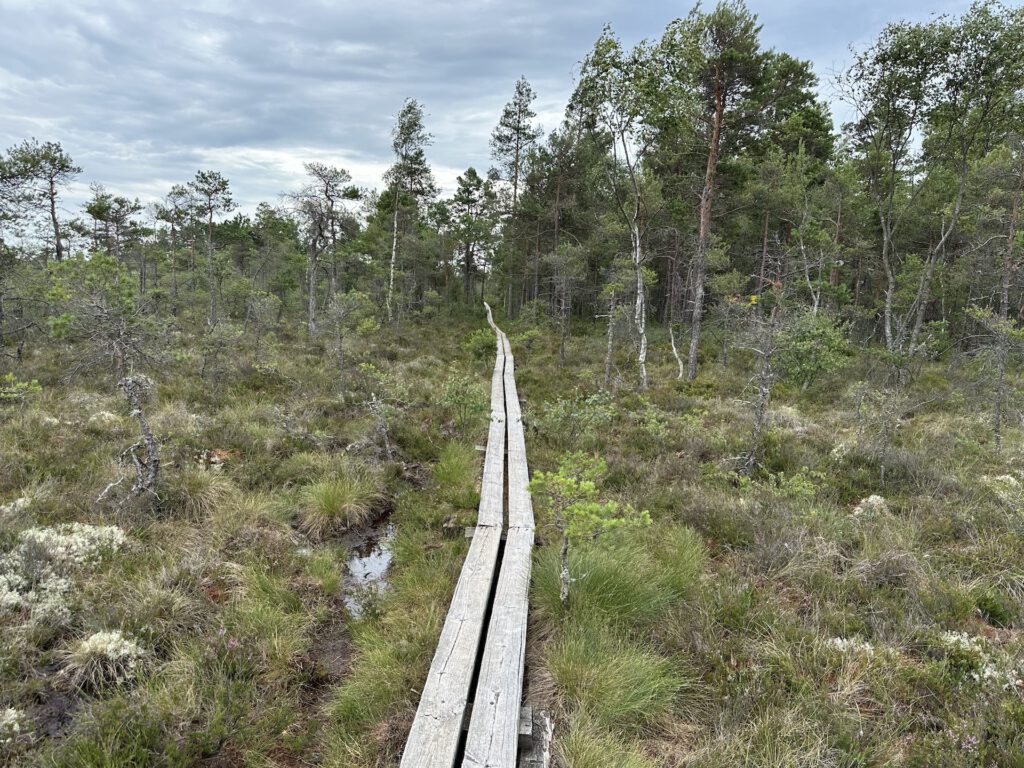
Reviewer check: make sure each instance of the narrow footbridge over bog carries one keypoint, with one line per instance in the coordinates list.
(470, 712)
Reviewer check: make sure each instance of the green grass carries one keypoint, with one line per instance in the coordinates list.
(455, 475)
(742, 589)
(621, 686)
(587, 745)
(630, 581)
(230, 579)
(351, 498)
(732, 631)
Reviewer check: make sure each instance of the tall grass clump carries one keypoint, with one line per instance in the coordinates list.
(630, 582)
(587, 746)
(622, 687)
(348, 500)
(193, 494)
(456, 476)
(102, 660)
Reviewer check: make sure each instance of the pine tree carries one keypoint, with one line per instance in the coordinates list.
(514, 136)
(410, 176)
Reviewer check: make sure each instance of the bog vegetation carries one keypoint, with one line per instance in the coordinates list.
(770, 373)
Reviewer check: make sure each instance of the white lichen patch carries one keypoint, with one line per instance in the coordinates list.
(851, 645)
(961, 641)
(988, 667)
(37, 576)
(871, 507)
(70, 545)
(104, 419)
(103, 658)
(15, 730)
(15, 507)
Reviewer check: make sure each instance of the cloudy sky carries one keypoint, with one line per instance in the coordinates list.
(142, 94)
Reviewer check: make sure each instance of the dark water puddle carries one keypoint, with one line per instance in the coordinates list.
(369, 558)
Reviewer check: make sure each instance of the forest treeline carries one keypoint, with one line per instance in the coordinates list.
(695, 182)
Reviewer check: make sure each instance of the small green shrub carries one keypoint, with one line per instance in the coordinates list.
(481, 344)
(814, 345)
(576, 421)
(464, 400)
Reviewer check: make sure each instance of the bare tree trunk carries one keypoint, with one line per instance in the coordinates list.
(765, 381)
(704, 234)
(1003, 344)
(675, 352)
(146, 471)
(377, 409)
(394, 257)
(672, 300)
(210, 271)
(341, 358)
(174, 268)
(890, 283)
(640, 308)
(311, 292)
(54, 222)
(563, 321)
(563, 571)
(536, 267)
(763, 271)
(1002, 355)
(142, 272)
(611, 341)
(934, 258)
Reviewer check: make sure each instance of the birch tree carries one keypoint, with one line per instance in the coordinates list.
(952, 82)
(614, 92)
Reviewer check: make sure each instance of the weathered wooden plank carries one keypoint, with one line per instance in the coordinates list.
(437, 728)
(434, 738)
(520, 507)
(492, 741)
(492, 487)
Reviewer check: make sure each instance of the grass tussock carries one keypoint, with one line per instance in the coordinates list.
(630, 582)
(351, 498)
(586, 745)
(456, 475)
(618, 684)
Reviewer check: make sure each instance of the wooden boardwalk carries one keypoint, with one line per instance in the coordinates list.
(478, 666)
